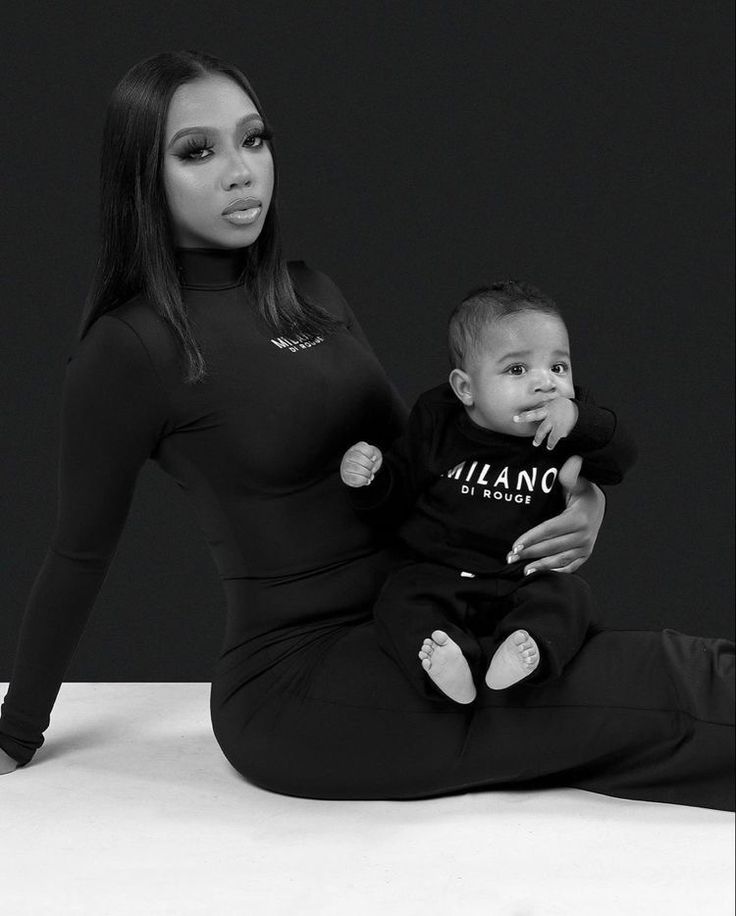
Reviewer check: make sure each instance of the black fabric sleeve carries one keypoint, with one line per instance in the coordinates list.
(607, 448)
(113, 413)
(403, 474)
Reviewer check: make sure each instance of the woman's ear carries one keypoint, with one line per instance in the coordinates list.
(460, 384)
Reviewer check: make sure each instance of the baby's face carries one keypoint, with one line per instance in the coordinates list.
(524, 362)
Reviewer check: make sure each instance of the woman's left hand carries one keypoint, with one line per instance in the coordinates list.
(565, 542)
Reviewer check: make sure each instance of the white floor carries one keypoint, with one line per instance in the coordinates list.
(130, 808)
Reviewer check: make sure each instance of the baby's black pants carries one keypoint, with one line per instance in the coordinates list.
(478, 612)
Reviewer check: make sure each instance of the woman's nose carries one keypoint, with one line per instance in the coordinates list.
(237, 174)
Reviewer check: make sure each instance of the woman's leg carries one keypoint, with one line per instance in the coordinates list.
(317, 709)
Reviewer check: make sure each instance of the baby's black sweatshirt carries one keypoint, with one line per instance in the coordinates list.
(460, 494)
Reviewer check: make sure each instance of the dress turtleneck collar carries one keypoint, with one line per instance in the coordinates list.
(211, 268)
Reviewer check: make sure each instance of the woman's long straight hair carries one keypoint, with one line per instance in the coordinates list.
(136, 240)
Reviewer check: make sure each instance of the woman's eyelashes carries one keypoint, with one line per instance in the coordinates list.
(193, 147)
(197, 145)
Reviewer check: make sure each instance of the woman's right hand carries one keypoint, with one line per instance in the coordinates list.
(565, 542)
(7, 764)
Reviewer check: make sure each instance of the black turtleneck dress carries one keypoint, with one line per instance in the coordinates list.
(303, 700)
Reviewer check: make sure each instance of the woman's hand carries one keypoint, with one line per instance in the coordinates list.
(7, 764)
(565, 542)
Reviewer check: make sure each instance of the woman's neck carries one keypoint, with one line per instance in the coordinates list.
(211, 268)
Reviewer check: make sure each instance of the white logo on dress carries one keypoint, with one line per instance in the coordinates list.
(293, 344)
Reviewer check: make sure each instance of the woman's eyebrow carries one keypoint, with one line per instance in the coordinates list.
(254, 116)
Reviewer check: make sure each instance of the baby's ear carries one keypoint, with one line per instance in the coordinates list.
(460, 384)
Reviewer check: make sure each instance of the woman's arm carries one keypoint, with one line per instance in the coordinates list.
(565, 542)
(113, 413)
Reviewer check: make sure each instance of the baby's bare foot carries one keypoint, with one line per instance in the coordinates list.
(515, 659)
(445, 663)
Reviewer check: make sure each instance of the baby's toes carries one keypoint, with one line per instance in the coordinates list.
(523, 642)
(530, 656)
(426, 663)
(440, 637)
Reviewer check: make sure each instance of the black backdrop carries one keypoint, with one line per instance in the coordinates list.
(423, 147)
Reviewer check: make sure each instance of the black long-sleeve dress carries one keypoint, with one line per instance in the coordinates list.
(303, 700)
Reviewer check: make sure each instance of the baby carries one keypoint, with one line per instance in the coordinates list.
(476, 467)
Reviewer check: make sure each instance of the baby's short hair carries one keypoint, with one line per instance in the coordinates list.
(485, 305)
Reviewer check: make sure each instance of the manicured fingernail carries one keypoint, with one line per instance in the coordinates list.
(528, 572)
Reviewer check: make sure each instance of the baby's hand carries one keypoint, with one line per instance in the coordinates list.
(556, 420)
(360, 464)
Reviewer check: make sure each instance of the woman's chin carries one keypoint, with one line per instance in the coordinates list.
(230, 237)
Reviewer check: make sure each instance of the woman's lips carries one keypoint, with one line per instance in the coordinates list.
(243, 217)
(243, 211)
(241, 203)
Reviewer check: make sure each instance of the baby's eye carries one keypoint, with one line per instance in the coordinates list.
(560, 368)
(516, 369)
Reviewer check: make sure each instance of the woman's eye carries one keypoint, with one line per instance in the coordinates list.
(200, 148)
(192, 152)
(260, 136)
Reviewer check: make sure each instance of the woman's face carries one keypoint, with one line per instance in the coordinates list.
(216, 158)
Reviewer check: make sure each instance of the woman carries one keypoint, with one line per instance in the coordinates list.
(246, 380)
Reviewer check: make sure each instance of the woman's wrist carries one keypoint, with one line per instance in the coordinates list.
(7, 763)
